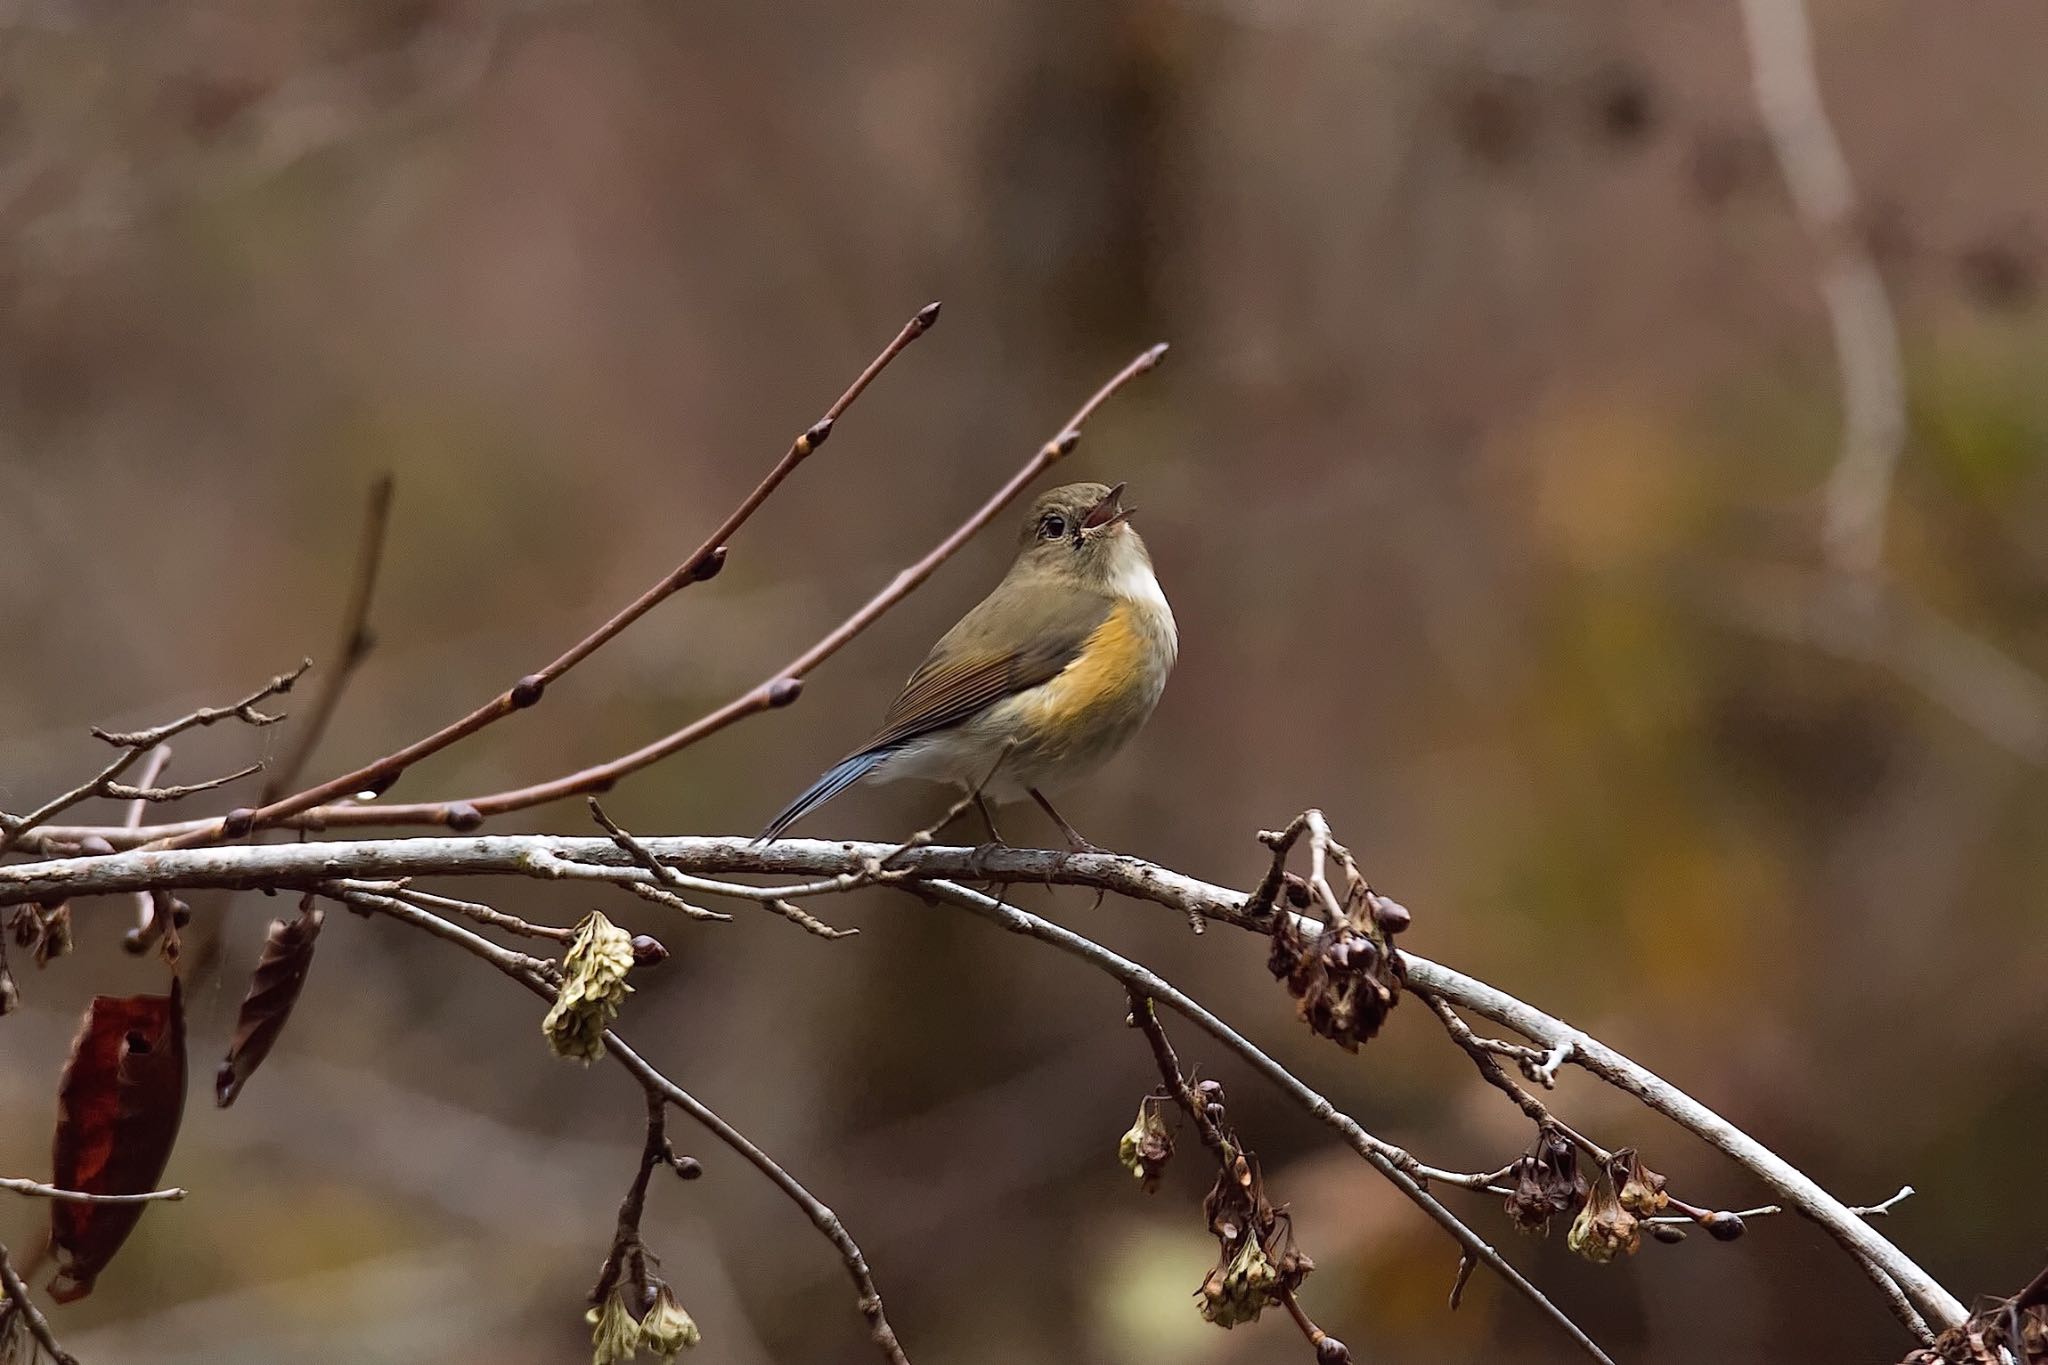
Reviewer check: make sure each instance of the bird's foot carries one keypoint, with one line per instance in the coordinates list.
(977, 862)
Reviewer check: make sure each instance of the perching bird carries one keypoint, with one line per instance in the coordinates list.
(1038, 685)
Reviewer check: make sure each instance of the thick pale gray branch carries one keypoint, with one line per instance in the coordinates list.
(306, 865)
(1862, 1241)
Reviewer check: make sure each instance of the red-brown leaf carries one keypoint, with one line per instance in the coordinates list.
(118, 1108)
(273, 990)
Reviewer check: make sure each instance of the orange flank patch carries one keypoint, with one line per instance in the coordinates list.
(1111, 683)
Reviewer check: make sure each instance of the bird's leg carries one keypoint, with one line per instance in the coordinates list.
(1076, 843)
(988, 817)
(995, 838)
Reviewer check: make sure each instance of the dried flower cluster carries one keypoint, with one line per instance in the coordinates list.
(2002, 1334)
(593, 988)
(1346, 978)
(1257, 1263)
(615, 1334)
(45, 931)
(1145, 1148)
(1546, 1184)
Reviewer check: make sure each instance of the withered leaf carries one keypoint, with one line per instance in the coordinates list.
(118, 1108)
(273, 989)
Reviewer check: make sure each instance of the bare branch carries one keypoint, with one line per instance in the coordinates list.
(524, 970)
(243, 710)
(702, 563)
(18, 1301)
(548, 866)
(626, 1245)
(306, 811)
(303, 866)
(134, 744)
(1496, 1076)
(147, 794)
(669, 877)
(780, 688)
(1227, 1154)
(1877, 1210)
(1396, 1165)
(41, 1191)
(482, 914)
(1885, 1263)
(350, 650)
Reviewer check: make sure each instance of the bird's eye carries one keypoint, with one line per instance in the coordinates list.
(1052, 526)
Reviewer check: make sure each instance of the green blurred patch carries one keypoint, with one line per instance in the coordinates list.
(1979, 413)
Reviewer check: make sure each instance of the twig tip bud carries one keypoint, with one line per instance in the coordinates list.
(1723, 1226)
(926, 316)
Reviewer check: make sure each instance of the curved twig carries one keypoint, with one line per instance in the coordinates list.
(698, 565)
(302, 866)
(524, 970)
(14, 1298)
(1395, 1164)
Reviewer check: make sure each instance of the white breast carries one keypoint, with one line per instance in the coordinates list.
(1135, 582)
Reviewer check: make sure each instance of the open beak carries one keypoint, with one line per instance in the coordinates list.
(1108, 512)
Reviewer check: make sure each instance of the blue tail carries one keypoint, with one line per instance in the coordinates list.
(836, 780)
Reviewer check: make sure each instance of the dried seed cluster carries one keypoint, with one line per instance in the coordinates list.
(1346, 978)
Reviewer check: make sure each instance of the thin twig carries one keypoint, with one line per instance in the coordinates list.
(1903, 1282)
(1176, 1085)
(700, 564)
(135, 743)
(482, 914)
(1878, 1210)
(778, 689)
(299, 866)
(31, 1316)
(146, 794)
(243, 710)
(146, 925)
(626, 1244)
(521, 968)
(1396, 1165)
(548, 866)
(350, 649)
(41, 1191)
(671, 878)
(1496, 1076)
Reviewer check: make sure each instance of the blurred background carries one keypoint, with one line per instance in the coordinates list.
(1484, 477)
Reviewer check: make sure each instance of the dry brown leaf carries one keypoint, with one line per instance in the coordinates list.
(118, 1108)
(273, 989)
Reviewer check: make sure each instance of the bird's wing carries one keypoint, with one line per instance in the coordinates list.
(1021, 635)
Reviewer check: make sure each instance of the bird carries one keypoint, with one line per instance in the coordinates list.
(1042, 682)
